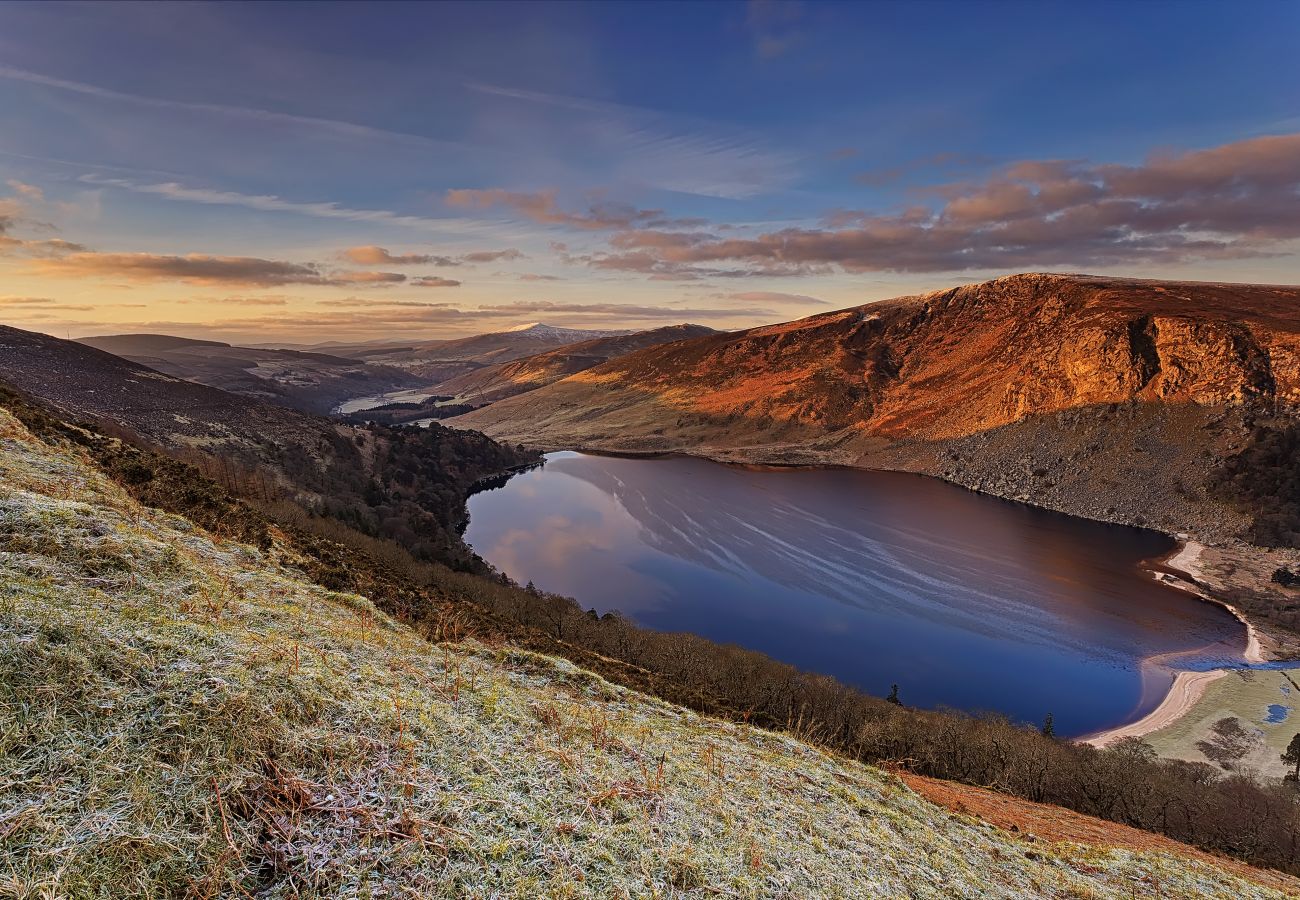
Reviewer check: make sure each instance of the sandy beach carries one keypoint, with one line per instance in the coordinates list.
(1187, 561)
(1188, 687)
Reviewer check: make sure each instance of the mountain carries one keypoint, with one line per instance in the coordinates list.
(528, 373)
(192, 715)
(940, 382)
(1112, 398)
(441, 360)
(312, 381)
(407, 484)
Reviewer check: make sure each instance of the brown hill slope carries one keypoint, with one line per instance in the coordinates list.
(1105, 397)
(496, 382)
(315, 382)
(955, 362)
(402, 483)
(440, 360)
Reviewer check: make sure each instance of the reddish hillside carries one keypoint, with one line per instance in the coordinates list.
(954, 362)
(1104, 397)
(531, 372)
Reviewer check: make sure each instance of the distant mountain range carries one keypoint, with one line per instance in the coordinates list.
(435, 361)
(388, 482)
(312, 381)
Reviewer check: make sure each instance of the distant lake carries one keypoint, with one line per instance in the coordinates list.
(876, 578)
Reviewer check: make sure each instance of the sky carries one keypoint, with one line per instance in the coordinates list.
(298, 172)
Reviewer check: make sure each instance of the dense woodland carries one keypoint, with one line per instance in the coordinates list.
(403, 483)
(435, 407)
(358, 547)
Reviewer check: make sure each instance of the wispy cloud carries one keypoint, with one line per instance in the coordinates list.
(271, 203)
(544, 207)
(775, 26)
(664, 150)
(319, 124)
(205, 269)
(372, 255)
(194, 268)
(771, 297)
(622, 311)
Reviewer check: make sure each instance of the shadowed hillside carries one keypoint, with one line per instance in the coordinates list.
(315, 382)
(407, 484)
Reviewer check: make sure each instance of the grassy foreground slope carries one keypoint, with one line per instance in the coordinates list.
(182, 716)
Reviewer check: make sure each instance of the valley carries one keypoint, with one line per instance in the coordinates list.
(754, 450)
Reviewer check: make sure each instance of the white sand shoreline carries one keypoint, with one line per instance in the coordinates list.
(1187, 561)
(1187, 687)
(1186, 690)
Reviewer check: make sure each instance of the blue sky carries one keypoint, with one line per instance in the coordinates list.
(326, 171)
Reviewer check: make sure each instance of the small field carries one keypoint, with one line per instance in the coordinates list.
(1263, 703)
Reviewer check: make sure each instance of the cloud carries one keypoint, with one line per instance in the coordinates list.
(254, 301)
(1239, 200)
(364, 278)
(381, 303)
(324, 209)
(774, 26)
(773, 297)
(530, 276)
(643, 146)
(43, 248)
(194, 268)
(433, 281)
(941, 161)
(543, 207)
(332, 127)
(619, 310)
(23, 306)
(25, 301)
(487, 256)
(28, 192)
(371, 255)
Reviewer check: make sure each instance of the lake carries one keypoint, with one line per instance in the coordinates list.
(876, 578)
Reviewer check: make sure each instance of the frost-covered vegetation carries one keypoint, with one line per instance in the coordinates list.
(184, 716)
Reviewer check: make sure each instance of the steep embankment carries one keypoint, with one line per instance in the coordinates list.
(496, 382)
(185, 716)
(1104, 397)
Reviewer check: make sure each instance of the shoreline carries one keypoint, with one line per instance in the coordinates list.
(1186, 560)
(1186, 690)
(1188, 687)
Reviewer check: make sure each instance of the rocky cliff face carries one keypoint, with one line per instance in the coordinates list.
(1118, 392)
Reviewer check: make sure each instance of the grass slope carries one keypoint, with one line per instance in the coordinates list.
(181, 716)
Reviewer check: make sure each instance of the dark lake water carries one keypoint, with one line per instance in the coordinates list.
(874, 577)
